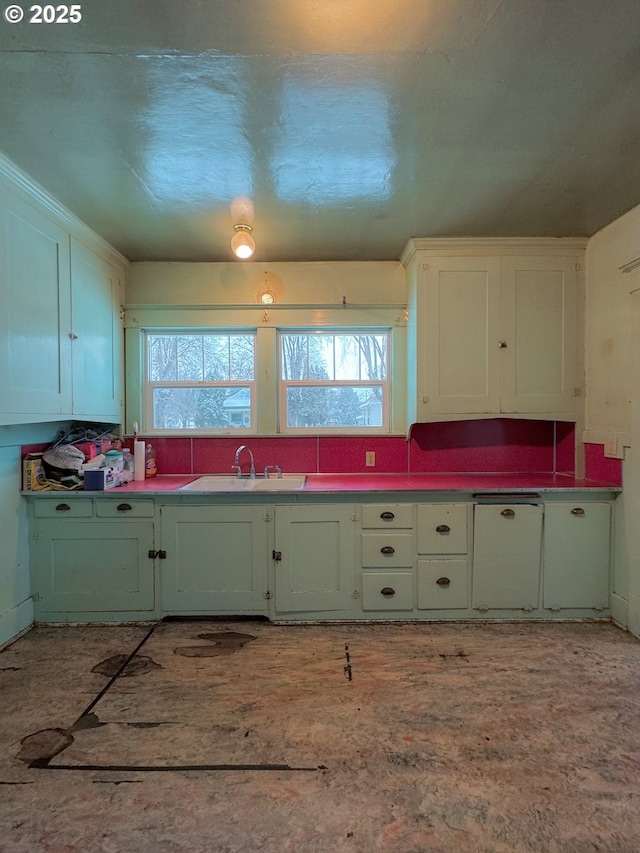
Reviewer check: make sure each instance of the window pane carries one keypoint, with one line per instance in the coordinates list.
(344, 357)
(326, 406)
(189, 358)
(347, 357)
(162, 358)
(373, 356)
(295, 350)
(242, 358)
(321, 357)
(216, 358)
(201, 408)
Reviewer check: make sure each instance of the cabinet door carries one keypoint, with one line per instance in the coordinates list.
(459, 324)
(539, 327)
(507, 546)
(35, 348)
(97, 352)
(316, 566)
(93, 566)
(576, 555)
(216, 559)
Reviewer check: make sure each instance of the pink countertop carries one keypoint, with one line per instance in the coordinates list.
(168, 483)
(450, 482)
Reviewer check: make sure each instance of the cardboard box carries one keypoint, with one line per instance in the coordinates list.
(33, 476)
(99, 480)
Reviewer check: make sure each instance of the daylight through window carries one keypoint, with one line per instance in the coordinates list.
(334, 380)
(200, 381)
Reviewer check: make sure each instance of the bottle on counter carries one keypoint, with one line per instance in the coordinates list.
(151, 469)
(114, 459)
(128, 473)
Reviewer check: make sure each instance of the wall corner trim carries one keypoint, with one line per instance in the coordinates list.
(31, 191)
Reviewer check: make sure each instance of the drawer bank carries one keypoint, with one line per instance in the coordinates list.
(337, 547)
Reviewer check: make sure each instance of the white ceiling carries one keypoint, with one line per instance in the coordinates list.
(350, 126)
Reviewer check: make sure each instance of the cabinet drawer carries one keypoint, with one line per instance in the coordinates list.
(442, 584)
(387, 590)
(63, 508)
(387, 516)
(125, 508)
(387, 549)
(442, 529)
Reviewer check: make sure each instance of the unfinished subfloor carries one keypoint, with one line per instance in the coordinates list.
(245, 736)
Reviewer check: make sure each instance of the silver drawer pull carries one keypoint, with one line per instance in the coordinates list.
(577, 511)
(508, 513)
(387, 549)
(443, 529)
(387, 591)
(387, 516)
(443, 581)
(124, 507)
(63, 508)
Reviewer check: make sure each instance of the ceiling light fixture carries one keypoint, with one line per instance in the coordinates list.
(242, 242)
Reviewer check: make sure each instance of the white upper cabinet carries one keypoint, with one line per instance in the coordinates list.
(97, 334)
(61, 333)
(538, 366)
(458, 315)
(494, 332)
(35, 348)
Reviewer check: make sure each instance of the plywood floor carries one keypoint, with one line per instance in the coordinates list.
(245, 736)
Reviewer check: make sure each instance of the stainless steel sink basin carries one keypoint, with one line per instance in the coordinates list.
(211, 483)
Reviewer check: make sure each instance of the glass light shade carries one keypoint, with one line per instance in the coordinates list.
(242, 243)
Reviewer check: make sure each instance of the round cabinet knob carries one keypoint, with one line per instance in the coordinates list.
(387, 591)
(508, 513)
(443, 529)
(387, 549)
(387, 516)
(443, 582)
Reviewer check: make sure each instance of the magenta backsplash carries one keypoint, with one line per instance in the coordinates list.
(496, 445)
(597, 466)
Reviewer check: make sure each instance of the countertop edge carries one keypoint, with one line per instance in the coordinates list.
(169, 485)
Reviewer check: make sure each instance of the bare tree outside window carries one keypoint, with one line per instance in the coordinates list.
(334, 379)
(199, 381)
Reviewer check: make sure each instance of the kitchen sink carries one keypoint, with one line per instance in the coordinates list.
(211, 483)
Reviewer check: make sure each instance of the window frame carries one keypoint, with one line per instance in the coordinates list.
(254, 318)
(284, 384)
(149, 385)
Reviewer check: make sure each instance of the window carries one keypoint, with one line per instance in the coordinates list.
(200, 381)
(334, 380)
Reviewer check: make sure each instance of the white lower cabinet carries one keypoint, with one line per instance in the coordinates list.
(115, 558)
(507, 549)
(83, 564)
(216, 560)
(576, 556)
(314, 559)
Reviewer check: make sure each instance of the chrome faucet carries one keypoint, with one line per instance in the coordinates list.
(276, 468)
(238, 467)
